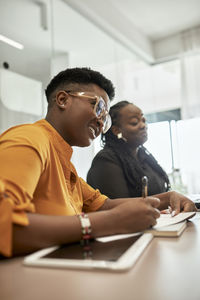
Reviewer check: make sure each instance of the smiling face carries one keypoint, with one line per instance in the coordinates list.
(132, 125)
(77, 121)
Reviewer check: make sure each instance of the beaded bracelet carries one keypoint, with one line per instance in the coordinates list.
(86, 235)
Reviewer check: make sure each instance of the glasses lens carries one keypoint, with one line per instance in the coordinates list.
(100, 108)
(107, 123)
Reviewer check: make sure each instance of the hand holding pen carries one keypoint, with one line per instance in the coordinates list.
(145, 194)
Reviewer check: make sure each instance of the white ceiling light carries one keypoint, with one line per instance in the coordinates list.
(11, 42)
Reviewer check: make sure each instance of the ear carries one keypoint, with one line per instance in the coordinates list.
(62, 99)
(115, 130)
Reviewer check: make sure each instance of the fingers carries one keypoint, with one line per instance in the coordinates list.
(156, 213)
(180, 203)
(153, 214)
(152, 222)
(155, 202)
(175, 206)
(189, 207)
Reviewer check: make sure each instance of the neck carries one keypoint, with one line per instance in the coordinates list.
(135, 151)
(54, 124)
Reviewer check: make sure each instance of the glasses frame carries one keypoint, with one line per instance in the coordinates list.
(104, 115)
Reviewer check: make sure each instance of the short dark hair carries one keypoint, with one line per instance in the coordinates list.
(79, 76)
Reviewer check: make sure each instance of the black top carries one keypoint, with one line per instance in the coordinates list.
(119, 175)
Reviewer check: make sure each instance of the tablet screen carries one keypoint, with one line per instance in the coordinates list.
(109, 251)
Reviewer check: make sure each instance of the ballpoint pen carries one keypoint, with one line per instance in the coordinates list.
(144, 186)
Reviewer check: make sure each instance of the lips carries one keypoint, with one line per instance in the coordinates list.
(144, 133)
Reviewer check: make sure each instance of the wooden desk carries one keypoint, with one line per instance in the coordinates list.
(169, 269)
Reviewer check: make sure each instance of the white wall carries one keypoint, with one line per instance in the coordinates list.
(70, 39)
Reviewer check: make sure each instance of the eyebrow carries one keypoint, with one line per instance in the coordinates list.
(136, 116)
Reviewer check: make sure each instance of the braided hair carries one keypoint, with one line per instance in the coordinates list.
(131, 166)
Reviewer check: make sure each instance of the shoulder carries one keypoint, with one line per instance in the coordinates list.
(144, 154)
(106, 154)
(32, 135)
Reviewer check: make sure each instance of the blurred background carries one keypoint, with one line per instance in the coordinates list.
(150, 49)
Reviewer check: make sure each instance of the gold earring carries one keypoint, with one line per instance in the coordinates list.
(120, 136)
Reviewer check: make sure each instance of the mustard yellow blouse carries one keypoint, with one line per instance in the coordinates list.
(36, 175)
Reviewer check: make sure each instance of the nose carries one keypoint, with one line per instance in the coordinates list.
(143, 125)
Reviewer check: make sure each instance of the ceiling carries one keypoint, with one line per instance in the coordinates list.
(141, 25)
(160, 18)
(84, 30)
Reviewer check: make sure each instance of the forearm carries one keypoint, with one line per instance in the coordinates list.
(164, 201)
(46, 231)
(111, 203)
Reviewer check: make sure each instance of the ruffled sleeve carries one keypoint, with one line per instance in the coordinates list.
(20, 170)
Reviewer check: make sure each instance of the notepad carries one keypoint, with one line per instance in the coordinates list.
(169, 231)
(168, 226)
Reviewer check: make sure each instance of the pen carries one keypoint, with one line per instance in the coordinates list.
(144, 186)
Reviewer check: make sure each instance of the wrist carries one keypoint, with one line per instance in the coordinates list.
(104, 223)
(86, 231)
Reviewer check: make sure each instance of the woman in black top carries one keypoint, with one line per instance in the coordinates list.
(117, 170)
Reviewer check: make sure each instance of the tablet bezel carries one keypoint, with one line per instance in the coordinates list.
(125, 262)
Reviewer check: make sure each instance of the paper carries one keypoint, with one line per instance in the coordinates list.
(167, 219)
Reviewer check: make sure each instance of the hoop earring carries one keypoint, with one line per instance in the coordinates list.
(120, 136)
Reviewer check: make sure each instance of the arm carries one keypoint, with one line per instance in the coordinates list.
(114, 217)
(177, 201)
(45, 231)
(107, 175)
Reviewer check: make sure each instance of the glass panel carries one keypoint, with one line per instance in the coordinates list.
(79, 43)
(23, 72)
(159, 144)
(189, 149)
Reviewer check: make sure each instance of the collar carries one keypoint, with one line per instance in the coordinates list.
(61, 146)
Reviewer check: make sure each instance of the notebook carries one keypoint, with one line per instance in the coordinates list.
(169, 231)
(168, 226)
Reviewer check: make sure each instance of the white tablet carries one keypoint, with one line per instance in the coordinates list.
(117, 253)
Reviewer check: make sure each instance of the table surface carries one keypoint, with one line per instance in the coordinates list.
(169, 269)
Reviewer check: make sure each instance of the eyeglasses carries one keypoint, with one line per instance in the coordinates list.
(101, 110)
